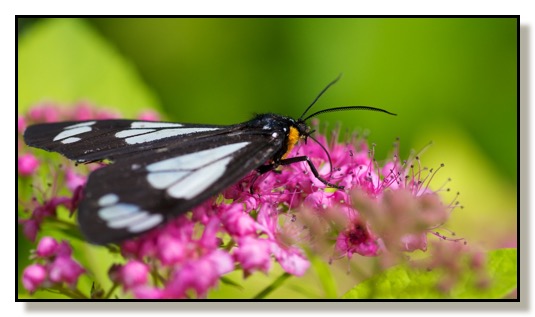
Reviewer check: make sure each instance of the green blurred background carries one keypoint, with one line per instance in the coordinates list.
(452, 81)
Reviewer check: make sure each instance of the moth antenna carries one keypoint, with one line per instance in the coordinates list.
(320, 94)
(349, 108)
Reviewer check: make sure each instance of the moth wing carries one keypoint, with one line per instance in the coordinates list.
(88, 141)
(135, 195)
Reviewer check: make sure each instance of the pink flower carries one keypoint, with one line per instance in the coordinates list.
(106, 114)
(47, 247)
(65, 269)
(149, 115)
(45, 112)
(253, 254)
(237, 221)
(74, 180)
(33, 276)
(170, 250)
(83, 111)
(64, 249)
(30, 228)
(401, 219)
(40, 211)
(148, 292)
(21, 124)
(199, 275)
(357, 239)
(133, 274)
(412, 242)
(27, 164)
(291, 259)
(56, 266)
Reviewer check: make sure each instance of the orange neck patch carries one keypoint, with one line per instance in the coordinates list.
(293, 137)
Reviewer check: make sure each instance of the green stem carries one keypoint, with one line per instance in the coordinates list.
(112, 289)
(72, 293)
(273, 286)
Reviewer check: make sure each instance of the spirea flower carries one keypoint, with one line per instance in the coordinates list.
(55, 266)
(33, 276)
(386, 207)
(27, 164)
(47, 247)
(133, 274)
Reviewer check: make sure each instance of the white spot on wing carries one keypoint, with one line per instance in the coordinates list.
(126, 216)
(129, 220)
(127, 133)
(108, 199)
(83, 124)
(117, 211)
(141, 125)
(161, 180)
(70, 132)
(199, 180)
(197, 159)
(70, 140)
(165, 133)
(148, 223)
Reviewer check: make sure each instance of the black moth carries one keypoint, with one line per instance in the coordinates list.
(163, 169)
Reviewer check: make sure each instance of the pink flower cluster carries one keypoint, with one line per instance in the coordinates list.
(54, 266)
(272, 217)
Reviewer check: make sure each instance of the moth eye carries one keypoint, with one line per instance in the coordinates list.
(275, 134)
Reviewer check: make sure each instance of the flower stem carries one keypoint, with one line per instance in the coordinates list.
(273, 286)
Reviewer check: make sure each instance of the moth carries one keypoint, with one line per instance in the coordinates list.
(163, 169)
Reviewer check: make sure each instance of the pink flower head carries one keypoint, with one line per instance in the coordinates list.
(291, 259)
(45, 112)
(47, 247)
(106, 114)
(32, 225)
(33, 276)
(357, 239)
(133, 274)
(65, 269)
(237, 221)
(199, 275)
(171, 249)
(27, 164)
(83, 111)
(30, 228)
(413, 242)
(21, 124)
(401, 219)
(148, 292)
(64, 249)
(253, 254)
(74, 180)
(149, 115)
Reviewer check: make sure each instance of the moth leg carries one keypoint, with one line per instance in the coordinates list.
(261, 171)
(271, 167)
(298, 159)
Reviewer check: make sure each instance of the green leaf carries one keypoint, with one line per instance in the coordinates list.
(66, 61)
(402, 282)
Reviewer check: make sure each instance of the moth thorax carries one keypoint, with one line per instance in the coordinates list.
(293, 137)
